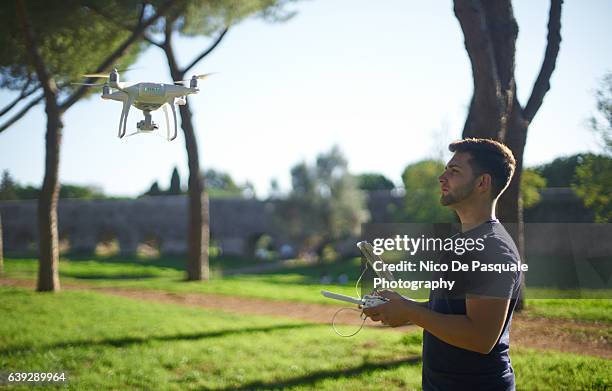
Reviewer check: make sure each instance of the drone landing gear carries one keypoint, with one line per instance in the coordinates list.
(147, 125)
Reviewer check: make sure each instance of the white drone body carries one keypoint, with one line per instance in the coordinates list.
(147, 97)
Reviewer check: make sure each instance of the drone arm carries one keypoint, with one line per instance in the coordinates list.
(120, 134)
(165, 108)
(174, 117)
(124, 116)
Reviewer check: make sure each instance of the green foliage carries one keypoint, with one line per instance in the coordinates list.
(531, 185)
(422, 200)
(11, 190)
(593, 184)
(593, 179)
(324, 203)
(372, 181)
(72, 38)
(28, 192)
(205, 17)
(154, 190)
(219, 184)
(601, 123)
(8, 187)
(220, 180)
(175, 183)
(561, 171)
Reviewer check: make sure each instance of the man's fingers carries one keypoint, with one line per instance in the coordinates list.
(387, 294)
(375, 317)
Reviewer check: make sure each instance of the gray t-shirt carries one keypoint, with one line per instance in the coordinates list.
(447, 367)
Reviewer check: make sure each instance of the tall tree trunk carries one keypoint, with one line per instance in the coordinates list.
(510, 204)
(490, 32)
(48, 275)
(199, 231)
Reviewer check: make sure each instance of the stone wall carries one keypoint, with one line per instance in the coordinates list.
(236, 224)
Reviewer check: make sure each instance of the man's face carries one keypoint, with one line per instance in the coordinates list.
(457, 182)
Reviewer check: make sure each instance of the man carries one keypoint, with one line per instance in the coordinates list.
(466, 331)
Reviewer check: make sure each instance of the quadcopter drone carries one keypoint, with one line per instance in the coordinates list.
(147, 97)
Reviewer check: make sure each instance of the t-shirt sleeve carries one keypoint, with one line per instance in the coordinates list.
(493, 283)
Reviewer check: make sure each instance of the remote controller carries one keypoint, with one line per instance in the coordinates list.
(368, 252)
(367, 301)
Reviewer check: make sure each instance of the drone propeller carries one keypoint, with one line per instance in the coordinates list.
(107, 74)
(199, 77)
(88, 84)
(103, 75)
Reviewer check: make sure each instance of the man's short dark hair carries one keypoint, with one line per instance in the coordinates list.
(488, 157)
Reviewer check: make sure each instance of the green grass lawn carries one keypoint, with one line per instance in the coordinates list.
(300, 283)
(108, 342)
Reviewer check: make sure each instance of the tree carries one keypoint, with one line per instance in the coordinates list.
(220, 184)
(274, 191)
(562, 170)
(324, 204)
(593, 184)
(531, 185)
(422, 200)
(601, 123)
(372, 181)
(43, 49)
(154, 190)
(8, 187)
(12, 190)
(175, 183)
(193, 18)
(490, 32)
(594, 175)
(220, 180)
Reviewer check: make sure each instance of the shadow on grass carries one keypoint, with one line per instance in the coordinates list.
(127, 341)
(89, 276)
(313, 378)
(170, 262)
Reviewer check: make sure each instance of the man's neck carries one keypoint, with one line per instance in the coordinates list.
(473, 215)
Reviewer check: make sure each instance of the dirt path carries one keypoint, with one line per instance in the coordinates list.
(539, 333)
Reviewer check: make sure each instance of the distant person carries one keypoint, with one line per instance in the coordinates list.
(466, 331)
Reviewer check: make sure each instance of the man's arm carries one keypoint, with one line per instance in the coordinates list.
(477, 330)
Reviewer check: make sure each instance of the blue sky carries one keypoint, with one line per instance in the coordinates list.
(388, 81)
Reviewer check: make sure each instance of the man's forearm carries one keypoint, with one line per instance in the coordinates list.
(457, 330)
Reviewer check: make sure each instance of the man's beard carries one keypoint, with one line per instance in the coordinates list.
(457, 195)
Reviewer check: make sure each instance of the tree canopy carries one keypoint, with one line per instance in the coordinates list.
(601, 122)
(593, 179)
(72, 39)
(324, 203)
(374, 181)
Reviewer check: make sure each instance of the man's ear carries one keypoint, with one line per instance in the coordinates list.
(485, 182)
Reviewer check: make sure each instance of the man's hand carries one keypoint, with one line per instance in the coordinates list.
(392, 313)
